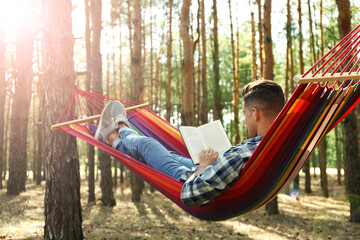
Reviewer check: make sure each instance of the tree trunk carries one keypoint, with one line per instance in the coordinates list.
(323, 144)
(62, 192)
(34, 131)
(253, 47)
(137, 86)
(352, 161)
(204, 81)
(197, 80)
(261, 45)
(306, 167)
(269, 57)
(120, 57)
(152, 52)
(300, 37)
(187, 117)
(20, 114)
(6, 129)
(338, 154)
(90, 147)
(96, 67)
(322, 162)
(271, 207)
(235, 81)
(169, 57)
(217, 90)
(312, 40)
(2, 99)
(40, 136)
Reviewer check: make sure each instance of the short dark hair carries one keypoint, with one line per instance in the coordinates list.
(265, 95)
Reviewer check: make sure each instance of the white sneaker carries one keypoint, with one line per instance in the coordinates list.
(113, 113)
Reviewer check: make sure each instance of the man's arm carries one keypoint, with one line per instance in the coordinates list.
(207, 157)
(207, 184)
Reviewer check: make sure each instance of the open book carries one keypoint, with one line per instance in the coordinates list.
(210, 135)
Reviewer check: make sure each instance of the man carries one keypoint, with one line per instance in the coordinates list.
(263, 100)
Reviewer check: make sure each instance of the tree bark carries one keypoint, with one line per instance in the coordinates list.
(20, 114)
(352, 159)
(269, 57)
(323, 143)
(235, 81)
(217, 90)
(169, 57)
(96, 68)
(40, 135)
(187, 117)
(137, 86)
(62, 192)
(90, 147)
(2, 98)
(204, 80)
(271, 207)
(306, 167)
(312, 39)
(253, 44)
(261, 45)
(322, 162)
(338, 143)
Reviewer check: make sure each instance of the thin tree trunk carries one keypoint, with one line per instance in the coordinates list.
(204, 81)
(40, 135)
(20, 113)
(6, 129)
(306, 167)
(288, 49)
(322, 161)
(300, 37)
(261, 45)
(217, 90)
(2, 99)
(338, 155)
(34, 131)
(90, 147)
(323, 144)
(96, 63)
(253, 48)
(197, 83)
(169, 57)
(312, 40)
(137, 86)
(63, 218)
(271, 207)
(352, 159)
(269, 57)
(187, 117)
(152, 53)
(235, 80)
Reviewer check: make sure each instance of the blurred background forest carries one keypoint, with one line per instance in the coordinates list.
(188, 59)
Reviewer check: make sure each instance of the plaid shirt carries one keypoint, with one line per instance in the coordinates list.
(201, 189)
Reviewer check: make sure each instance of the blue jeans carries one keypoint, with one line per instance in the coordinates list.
(152, 153)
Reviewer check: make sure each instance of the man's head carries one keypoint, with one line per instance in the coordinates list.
(263, 100)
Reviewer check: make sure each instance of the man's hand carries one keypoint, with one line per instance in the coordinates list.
(207, 158)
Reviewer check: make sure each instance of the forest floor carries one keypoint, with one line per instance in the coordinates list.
(310, 217)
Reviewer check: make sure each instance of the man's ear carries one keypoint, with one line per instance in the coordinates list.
(255, 113)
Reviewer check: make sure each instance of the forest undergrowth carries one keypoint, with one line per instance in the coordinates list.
(311, 216)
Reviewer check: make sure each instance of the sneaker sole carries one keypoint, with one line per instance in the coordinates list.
(100, 122)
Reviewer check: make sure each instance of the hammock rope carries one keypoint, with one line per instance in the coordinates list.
(311, 112)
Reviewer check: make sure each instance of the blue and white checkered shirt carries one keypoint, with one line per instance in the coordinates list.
(201, 189)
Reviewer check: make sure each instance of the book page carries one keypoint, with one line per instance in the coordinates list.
(193, 142)
(215, 137)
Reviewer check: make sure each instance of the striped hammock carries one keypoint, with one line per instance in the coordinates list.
(312, 111)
